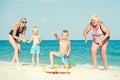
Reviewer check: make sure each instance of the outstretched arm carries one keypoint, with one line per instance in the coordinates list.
(56, 36)
(31, 39)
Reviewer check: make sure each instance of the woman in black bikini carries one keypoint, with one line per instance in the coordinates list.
(14, 38)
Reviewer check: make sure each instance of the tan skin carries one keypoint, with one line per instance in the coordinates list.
(103, 42)
(16, 43)
(36, 41)
(64, 46)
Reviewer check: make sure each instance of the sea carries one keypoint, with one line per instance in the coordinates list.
(79, 55)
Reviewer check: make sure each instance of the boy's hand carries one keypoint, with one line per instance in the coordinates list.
(37, 43)
(53, 33)
(67, 55)
(56, 36)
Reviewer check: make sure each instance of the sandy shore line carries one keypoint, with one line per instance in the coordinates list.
(28, 72)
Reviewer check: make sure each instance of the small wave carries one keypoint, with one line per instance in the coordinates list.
(87, 65)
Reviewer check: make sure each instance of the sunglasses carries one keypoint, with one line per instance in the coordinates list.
(23, 21)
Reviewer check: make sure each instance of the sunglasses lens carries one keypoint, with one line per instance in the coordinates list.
(24, 22)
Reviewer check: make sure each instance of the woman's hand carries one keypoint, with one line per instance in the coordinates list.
(24, 40)
(100, 42)
(86, 40)
(86, 32)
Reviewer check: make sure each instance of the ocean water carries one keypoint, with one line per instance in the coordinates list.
(79, 56)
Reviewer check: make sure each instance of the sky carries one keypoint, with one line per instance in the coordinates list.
(57, 15)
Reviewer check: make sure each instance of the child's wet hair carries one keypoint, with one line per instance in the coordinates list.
(34, 27)
(65, 31)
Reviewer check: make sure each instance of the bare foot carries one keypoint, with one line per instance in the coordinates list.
(12, 63)
(38, 65)
(32, 64)
(105, 69)
(51, 67)
(19, 64)
(94, 69)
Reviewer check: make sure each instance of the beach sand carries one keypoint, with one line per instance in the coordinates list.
(28, 72)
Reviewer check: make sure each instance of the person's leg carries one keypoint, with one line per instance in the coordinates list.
(33, 59)
(37, 55)
(52, 54)
(103, 54)
(16, 50)
(67, 66)
(17, 56)
(19, 46)
(38, 59)
(94, 49)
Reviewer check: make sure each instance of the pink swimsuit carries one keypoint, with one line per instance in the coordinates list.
(97, 35)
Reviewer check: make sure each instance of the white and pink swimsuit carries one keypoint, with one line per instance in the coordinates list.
(97, 35)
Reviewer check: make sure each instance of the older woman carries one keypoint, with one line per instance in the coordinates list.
(100, 39)
(14, 39)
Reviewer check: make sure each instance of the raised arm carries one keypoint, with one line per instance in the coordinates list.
(87, 29)
(56, 36)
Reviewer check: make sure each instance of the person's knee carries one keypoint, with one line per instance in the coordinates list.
(19, 50)
(103, 50)
(93, 53)
(103, 54)
(37, 55)
(32, 55)
(16, 49)
(51, 53)
(93, 50)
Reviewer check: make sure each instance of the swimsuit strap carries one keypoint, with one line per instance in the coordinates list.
(19, 29)
(101, 28)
